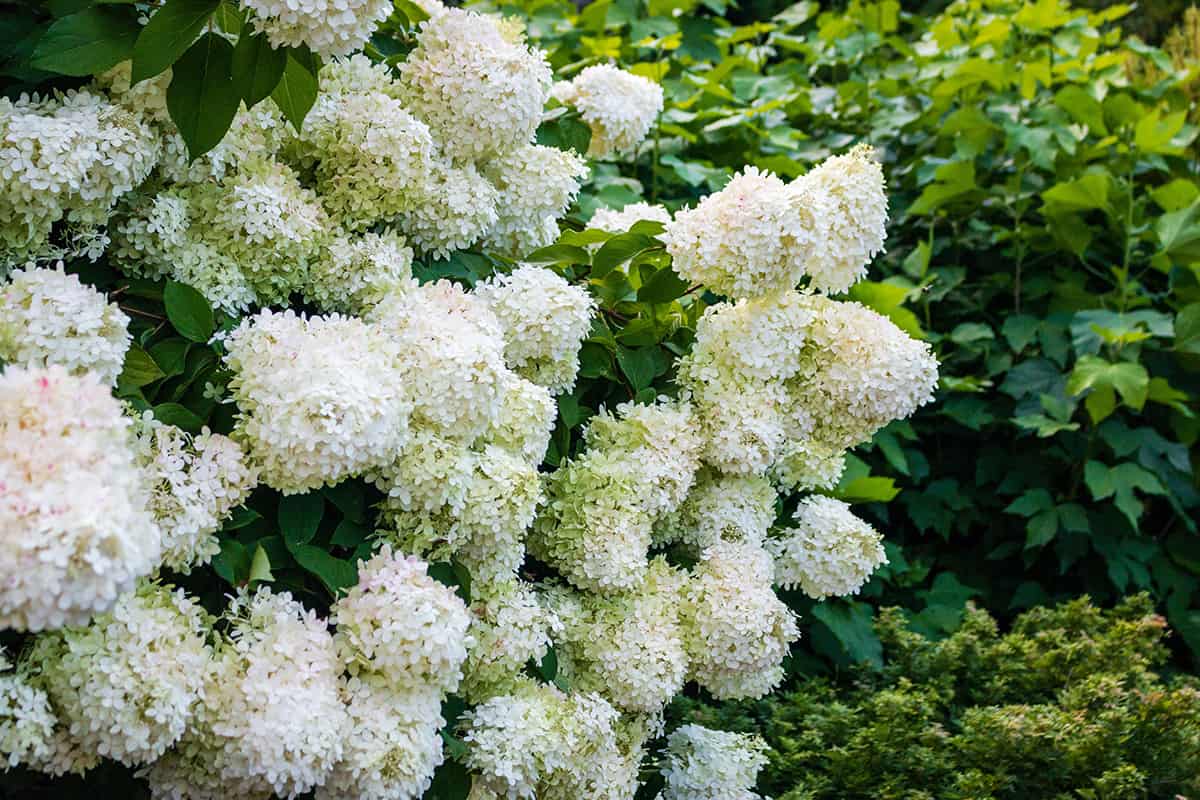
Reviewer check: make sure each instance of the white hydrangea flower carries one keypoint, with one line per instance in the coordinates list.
(751, 341)
(355, 272)
(451, 353)
(459, 208)
(539, 742)
(402, 624)
(327, 27)
(395, 746)
(808, 464)
(509, 628)
(480, 91)
(49, 317)
(369, 155)
(736, 630)
(272, 720)
(545, 320)
(618, 106)
(629, 648)
(745, 427)
(195, 482)
(621, 220)
(863, 373)
(27, 721)
(447, 499)
(125, 685)
(846, 198)
(720, 508)
(536, 184)
(525, 421)
(829, 553)
(747, 240)
(73, 519)
(320, 399)
(714, 765)
(65, 158)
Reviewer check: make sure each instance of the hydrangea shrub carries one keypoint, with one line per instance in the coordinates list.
(559, 450)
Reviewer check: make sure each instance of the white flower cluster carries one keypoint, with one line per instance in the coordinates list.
(617, 105)
(720, 508)
(759, 235)
(74, 525)
(619, 221)
(327, 27)
(541, 743)
(65, 158)
(715, 765)
(194, 483)
(509, 628)
(26, 720)
(126, 684)
(829, 552)
(49, 317)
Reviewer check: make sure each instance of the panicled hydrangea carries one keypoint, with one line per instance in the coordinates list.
(714, 765)
(327, 27)
(846, 198)
(272, 720)
(355, 272)
(618, 106)
(66, 157)
(829, 553)
(720, 508)
(369, 155)
(27, 721)
(736, 630)
(480, 91)
(620, 221)
(545, 320)
(747, 240)
(319, 399)
(451, 353)
(73, 524)
(539, 742)
(525, 421)
(395, 746)
(751, 341)
(806, 464)
(195, 481)
(864, 373)
(458, 209)
(536, 186)
(509, 628)
(125, 685)
(402, 624)
(745, 427)
(49, 317)
(629, 647)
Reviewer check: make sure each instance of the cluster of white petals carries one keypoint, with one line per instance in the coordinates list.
(74, 526)
(829, 552)
(195, 482)
(618, 106)
(320, 398)
(355, 272)
(460, 207)
(541, 743)
(545, 320)
(125, 685)
(49, 317)
(720, 508)
(509, 628)
(327, 27)
(619, 221)
(402, 624)
(26, 720)
(65, 158)
(715, 765)
(736, 630)
(536, 185)
(481, 92)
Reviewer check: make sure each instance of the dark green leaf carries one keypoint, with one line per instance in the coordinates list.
(88, 42)
(179, 416)
(188, 311)
(299, 517)
(139, 369)
(202, 98)
(638, 364)
(618, 250)
(663, 287)
(172, 28)
(257, 67)
(233, 562)
(558, 254)
(171, 355)
(336, 574)
(851, 624)
(297, 89)
(566, 133)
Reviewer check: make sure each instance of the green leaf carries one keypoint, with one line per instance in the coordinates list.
(852, 624)
(1187, 329)
(1041, 529)
(139, 368)
(260, 566)
(299, 517)
(336, 574)
(1178, 233)
(1154, 132)
(1031, 502)
(1131, 381)
(202, 98)
(188, 311)
(257, 66)
(1082, 107)
(869, 489)
(619, 249)
(565, 133)
(171, 356)
(179, 416)
(558, 254)
(1120, 483)
(349, 534)
(169, 33)
(297, 89)
(1083, 194)
(349, 498)
(88, 42)
(233, 562)
(663, 287)
(952, 182)
(638, 364)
